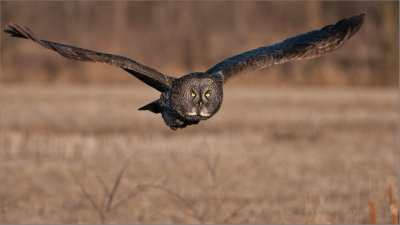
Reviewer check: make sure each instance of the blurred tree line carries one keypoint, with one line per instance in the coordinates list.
(181, 37)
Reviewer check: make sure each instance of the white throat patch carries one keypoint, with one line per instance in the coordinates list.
(193, 112)
(205, 114)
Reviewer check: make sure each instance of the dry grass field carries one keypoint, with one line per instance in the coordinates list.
(84, 154)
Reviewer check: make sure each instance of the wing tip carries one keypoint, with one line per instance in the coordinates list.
(361, 15)
(356, 22)
(359, 18)
(14, 30)
(349, 26)
(17, 31)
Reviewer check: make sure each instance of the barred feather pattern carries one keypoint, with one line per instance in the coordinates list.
(304, 46)
(148, 75)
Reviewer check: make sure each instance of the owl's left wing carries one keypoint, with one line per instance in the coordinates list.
(309, 45)
(144, 73)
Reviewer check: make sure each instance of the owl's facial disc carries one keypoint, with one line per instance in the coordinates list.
(198, 98)
(200, 101)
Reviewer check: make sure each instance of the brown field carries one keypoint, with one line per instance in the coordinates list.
(266, 156)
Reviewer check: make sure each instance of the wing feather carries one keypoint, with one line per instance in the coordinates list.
(146, 74)
(304, 46)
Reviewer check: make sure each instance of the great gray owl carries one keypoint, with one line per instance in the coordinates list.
(198, 96)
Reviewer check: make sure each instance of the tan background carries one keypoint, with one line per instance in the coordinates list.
(319, 135)
(181, 37)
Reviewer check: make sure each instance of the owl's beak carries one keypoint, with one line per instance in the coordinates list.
(201, 104)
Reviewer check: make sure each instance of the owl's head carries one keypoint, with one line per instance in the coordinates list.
(197, 96)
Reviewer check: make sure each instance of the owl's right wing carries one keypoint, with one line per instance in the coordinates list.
(309, 45)
(146, 74)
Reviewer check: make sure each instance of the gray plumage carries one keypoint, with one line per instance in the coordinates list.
(198, 96)
(304, 46)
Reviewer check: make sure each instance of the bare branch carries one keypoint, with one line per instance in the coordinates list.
(130, 197)
(116, 185)
(234, 213)
(87, 195)
(104, 187)
(195, 214)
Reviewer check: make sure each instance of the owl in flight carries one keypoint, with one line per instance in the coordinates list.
(198, 96)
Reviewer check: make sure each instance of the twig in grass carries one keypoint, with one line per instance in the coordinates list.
(195, 213)
(234, 213)
(91, 200)
(116, 185)
(213, 202)
(104, 187)
(131, 196)
(212, 165)
(108, 204)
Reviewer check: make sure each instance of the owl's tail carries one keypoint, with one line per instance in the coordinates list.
(153, 107)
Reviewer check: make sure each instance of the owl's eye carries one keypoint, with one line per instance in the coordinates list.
(208, 94)
(193, 94)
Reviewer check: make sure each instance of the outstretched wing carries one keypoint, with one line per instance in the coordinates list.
(146, 74)
(309, 45)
